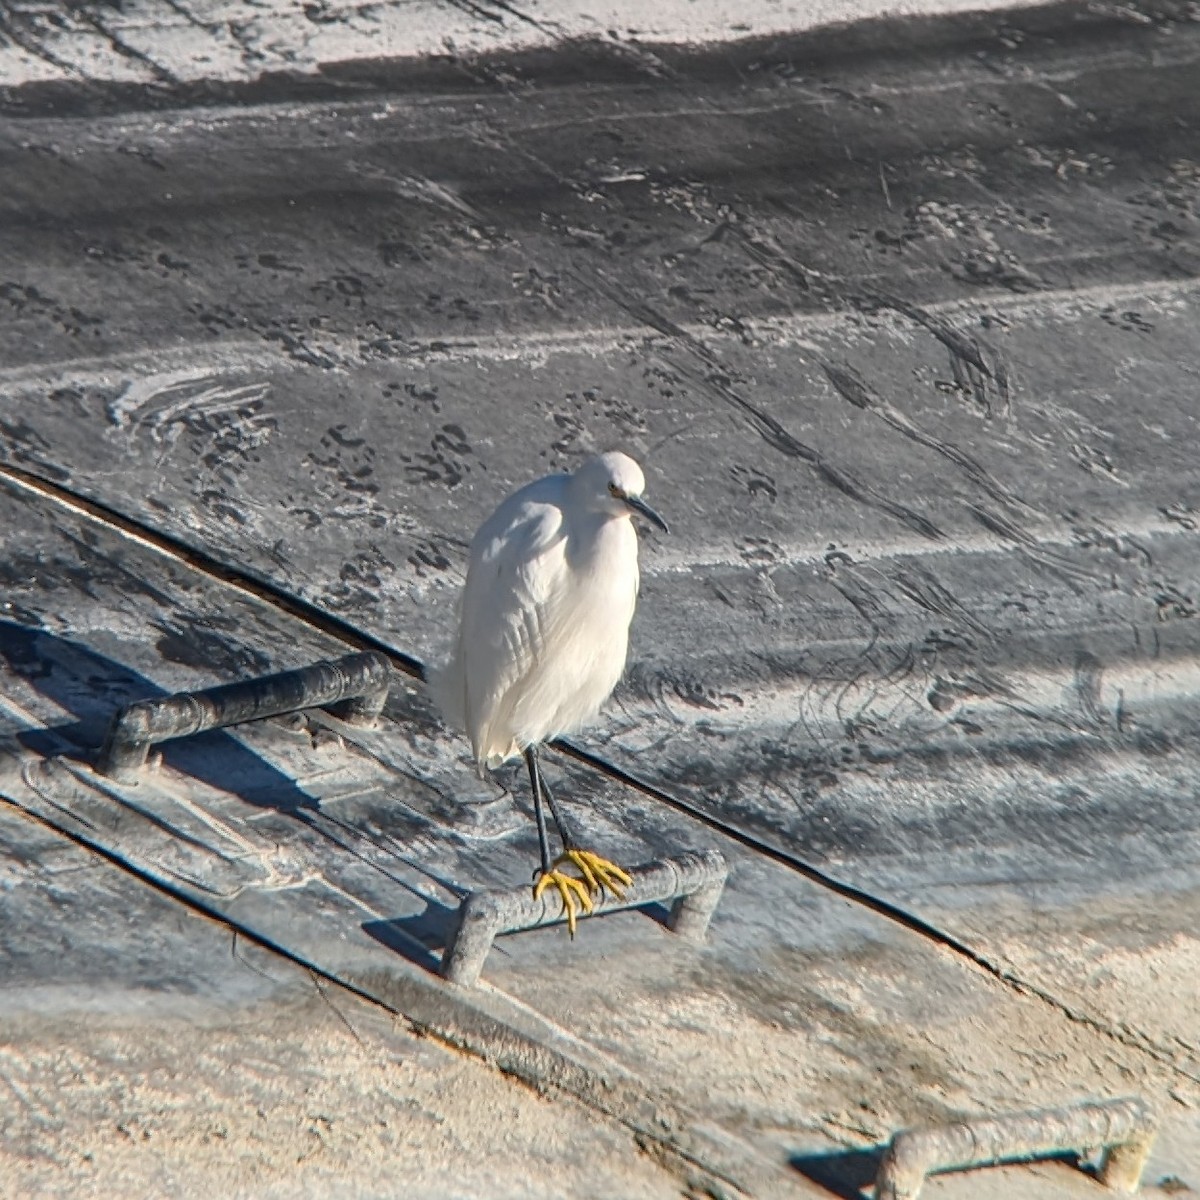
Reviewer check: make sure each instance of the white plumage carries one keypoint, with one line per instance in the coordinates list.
(544, 623)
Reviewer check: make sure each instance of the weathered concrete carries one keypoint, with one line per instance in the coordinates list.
(165, 42)
(147, 1051)
(901, 320)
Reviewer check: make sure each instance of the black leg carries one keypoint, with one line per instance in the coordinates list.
(539, 815)
(564, 833)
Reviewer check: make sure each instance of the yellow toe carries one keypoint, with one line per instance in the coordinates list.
(599, 873)
(572, 892)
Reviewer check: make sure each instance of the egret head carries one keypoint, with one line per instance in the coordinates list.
(613, 483)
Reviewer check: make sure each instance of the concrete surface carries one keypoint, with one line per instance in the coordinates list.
(900, 317)
(203, 1064)
(775, 1059)
(157, 42)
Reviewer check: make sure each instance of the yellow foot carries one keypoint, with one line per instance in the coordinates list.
(573, 891)
(598, 873)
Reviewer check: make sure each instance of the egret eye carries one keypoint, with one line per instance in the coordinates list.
(613, 490)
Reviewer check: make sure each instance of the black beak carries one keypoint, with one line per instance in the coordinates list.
(640, 506)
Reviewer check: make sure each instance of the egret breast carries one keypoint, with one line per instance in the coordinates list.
(587, 639)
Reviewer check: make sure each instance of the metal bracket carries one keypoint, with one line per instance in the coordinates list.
(1124, 1128)
(353, 688)
(693, 881)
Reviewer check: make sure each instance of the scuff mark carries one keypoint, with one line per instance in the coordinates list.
(1029, 546)
(974, 362)
(851, 386)
(125, 50)
(717, 382)
(1089, 673)
(920, 586)
(159, 401)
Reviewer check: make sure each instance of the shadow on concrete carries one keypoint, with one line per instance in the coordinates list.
(422, 938)
(91, 688)
(849, 1174)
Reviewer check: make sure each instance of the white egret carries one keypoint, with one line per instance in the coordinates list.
(543, 635)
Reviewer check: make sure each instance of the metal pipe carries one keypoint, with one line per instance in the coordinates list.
(354, 688)
(693, 881)
(1124, 1128)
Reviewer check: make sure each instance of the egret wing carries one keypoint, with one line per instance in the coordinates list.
(518, 570)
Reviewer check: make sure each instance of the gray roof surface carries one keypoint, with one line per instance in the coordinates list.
(899, 318)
